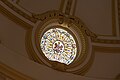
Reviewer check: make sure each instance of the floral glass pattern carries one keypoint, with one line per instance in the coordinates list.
(59, 45)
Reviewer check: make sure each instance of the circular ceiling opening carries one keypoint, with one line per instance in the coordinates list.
(59, 45)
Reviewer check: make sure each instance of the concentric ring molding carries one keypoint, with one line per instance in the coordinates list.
(80, 62)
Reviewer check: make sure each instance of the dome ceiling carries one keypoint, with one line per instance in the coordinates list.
(100, 18)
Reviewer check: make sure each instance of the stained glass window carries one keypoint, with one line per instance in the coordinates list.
(59, 45)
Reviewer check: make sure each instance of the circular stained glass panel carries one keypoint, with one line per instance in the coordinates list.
(59, 45)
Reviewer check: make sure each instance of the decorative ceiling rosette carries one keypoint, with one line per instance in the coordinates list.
(62, 42)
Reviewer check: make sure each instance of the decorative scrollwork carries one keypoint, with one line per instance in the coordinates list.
(79, 23)
(48, 15)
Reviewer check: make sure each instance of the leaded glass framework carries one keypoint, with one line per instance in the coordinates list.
(57, 44)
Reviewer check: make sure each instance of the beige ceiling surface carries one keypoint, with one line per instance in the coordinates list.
(96, 14)
(100, 16)
(105, 64)
(12, 36)
(39, 6)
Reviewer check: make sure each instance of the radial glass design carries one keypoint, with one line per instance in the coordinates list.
(59, 45)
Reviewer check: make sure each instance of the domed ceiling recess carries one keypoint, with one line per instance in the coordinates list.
(58, 38)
